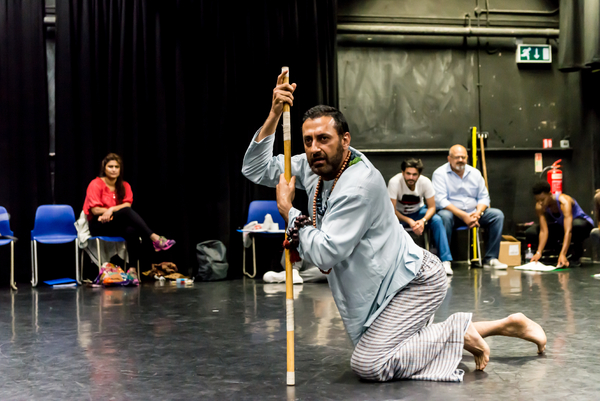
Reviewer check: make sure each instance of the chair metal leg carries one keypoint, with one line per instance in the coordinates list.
(13, 285)
(253, 256)
(34, 273)
(99, 255)
(138, 265)
(32, 263)
(476, 249)
(244, 259)
(126, 255)
(426, 239)
(81, 260)
(468, 247)
(479, 257)
(77, 272)
(253, 260)
(479, 247)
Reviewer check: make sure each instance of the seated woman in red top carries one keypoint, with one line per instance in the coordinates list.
(108, 207)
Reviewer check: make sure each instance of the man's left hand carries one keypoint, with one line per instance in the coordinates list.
(475, 216)
(418, 227)
(285, 195)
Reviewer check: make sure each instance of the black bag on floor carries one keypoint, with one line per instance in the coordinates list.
(212, 261)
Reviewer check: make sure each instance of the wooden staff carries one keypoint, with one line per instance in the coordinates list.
(289, 278)
(474, 149)
(483, 166)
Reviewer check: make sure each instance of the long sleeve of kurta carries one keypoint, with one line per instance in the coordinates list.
(261, 167)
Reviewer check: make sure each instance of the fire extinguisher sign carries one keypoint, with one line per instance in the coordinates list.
(539, 164)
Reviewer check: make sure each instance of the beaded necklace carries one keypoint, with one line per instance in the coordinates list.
(318, 201)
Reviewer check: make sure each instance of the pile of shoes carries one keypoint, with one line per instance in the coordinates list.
(113, 275)
(164, 270)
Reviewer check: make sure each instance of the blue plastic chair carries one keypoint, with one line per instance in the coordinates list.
(5, 230)
(480, 258)
(99, 255)
(257, 212)
(54, 224)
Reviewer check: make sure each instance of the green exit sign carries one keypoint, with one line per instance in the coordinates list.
(534, 54)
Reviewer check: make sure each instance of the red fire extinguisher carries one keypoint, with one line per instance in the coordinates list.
(555, 178)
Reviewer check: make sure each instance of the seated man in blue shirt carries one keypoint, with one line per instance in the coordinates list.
(463, 200)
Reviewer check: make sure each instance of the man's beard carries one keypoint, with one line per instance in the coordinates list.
(460, 167)
(328, 170)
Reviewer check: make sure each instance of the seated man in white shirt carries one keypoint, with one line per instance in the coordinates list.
(407, 191)
(462, 199)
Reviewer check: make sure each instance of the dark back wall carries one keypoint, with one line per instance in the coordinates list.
(421, 92)
(177, 88)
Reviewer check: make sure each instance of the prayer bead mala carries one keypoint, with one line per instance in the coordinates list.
(320, 185)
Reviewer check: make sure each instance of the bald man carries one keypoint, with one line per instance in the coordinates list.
(463, 200)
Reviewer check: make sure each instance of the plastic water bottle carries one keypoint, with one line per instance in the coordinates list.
(528, 254)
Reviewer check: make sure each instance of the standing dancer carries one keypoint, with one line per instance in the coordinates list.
(386, 288)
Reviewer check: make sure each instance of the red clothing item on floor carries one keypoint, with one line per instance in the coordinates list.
(99, 195)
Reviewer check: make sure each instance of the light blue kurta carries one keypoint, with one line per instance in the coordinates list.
(359, 238)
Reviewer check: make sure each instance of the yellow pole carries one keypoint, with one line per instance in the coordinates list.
(474, 149)
(289, 280)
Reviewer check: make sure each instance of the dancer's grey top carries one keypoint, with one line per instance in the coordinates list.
(370, 255)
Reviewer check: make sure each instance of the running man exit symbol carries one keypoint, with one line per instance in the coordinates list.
(534, 54)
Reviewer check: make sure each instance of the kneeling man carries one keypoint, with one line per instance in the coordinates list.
(386, 288)
(407, 191)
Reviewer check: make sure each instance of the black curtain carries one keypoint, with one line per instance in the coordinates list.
(579, 42)
(178, 89)
(24, 141)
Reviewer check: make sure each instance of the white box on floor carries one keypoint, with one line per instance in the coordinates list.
(510, 251)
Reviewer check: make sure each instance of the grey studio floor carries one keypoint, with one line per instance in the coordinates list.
(226, 341)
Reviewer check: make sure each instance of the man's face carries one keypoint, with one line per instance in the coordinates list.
(411, 175)
(458, 158)
(323, 146)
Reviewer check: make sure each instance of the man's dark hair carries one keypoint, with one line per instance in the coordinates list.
(341, 125)
(541, 187)
(412, 163)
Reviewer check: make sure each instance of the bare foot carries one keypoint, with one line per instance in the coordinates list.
(519, 325)
(477, 346)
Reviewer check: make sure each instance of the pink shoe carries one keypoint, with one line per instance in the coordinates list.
(134, 278)
(162, 244)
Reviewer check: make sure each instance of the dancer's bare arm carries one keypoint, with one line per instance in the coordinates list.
(543, 238)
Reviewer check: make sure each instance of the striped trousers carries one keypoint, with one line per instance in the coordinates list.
(401, 344)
